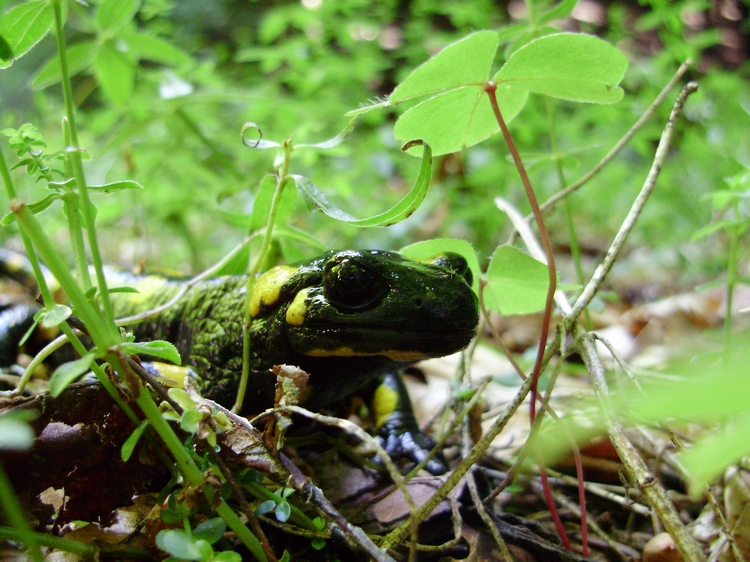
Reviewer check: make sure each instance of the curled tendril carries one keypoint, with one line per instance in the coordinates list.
(248, 143)
(412, 143)
(259, 144)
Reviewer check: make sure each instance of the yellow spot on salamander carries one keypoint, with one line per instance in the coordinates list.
(172, 376)
(146, 288)
(268, 287)
(392, 354)
(384, 403)
(295, 314)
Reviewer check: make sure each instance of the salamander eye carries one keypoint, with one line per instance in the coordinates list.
(349, 285)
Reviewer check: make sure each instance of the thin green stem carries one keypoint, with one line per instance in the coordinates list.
(242, 532)
(281, 181)
(7, 180)
(49, 302)
(39, 240)
(734, 239)
(575, 249)
(72, 211)
(83, 550)
(149, 408)
(246, 347)
(10, 188)
(188, 468)
(531, 14)
(79, 548)
(14, 512)
(103, 337)
(47, 295)
(74, 153)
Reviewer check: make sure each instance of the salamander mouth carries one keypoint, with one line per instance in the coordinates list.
(400, 346)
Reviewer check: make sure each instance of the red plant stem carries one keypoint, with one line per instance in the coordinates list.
(491, 89)
(551, 502)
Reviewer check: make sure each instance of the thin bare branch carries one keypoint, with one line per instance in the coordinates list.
(504, 553)
(627, 225)
(634, 466)
(560, 195)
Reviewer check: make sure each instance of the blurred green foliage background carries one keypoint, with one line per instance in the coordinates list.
(162, 100)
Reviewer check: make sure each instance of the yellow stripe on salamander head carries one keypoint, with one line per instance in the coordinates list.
(268, 287)
(295, 314)
(392, 354)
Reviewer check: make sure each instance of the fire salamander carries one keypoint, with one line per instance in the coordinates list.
(350, 319)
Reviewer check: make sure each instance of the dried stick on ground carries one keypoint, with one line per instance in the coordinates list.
(353, 535)
(637, 470)
(652, 490)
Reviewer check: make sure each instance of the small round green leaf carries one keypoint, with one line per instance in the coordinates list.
(182, 398)
(190, 421)
(211, 530)
(156, 348)
(570, 66)
(129, 446)
(462, 63)
(207, 553)
(516, 282)
(457, 119)
(265, 507)
(283, 511)
(15, 433)
(56, 315)
(177, 543)
(67, 373)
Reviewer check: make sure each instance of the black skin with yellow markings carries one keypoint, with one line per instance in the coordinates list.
(348, 318)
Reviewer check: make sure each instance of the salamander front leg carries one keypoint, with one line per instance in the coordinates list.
(397, 427)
